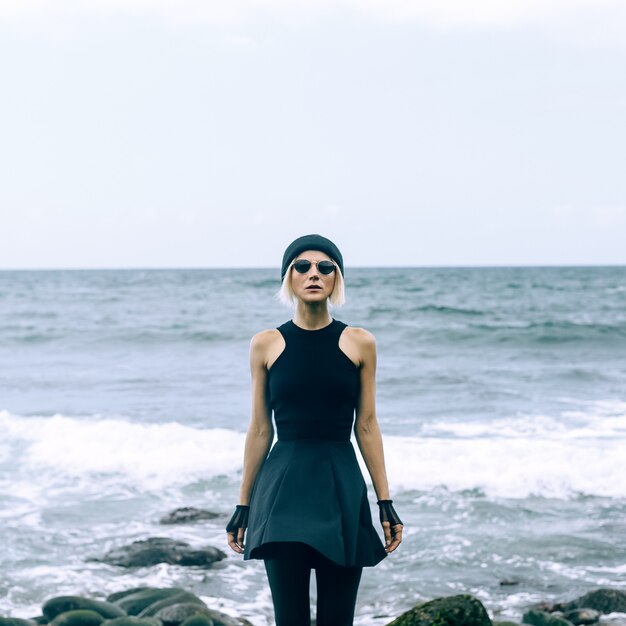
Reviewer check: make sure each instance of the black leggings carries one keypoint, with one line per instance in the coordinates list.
(288, 566)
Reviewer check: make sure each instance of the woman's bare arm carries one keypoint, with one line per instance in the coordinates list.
(260, 429)
(367, 430)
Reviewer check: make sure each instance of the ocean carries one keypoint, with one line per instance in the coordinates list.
(124, 394)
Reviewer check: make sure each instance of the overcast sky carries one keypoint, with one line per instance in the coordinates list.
(210, 133)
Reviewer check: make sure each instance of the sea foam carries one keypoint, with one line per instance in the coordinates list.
(60, 449)
(512, 458)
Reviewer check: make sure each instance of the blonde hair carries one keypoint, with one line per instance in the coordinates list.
(286, 296)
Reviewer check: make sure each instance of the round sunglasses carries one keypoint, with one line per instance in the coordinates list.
(302, 266)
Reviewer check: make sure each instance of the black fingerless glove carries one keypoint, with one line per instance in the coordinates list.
(239, 519)
(388, 513)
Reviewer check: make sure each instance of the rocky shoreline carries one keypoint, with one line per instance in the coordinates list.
(173, 606)
(465, 610)
(139, 606)
(153, 606)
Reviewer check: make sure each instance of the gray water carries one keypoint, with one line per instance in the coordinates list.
(501, 397)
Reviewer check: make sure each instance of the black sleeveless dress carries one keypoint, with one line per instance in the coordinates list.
(310, 488)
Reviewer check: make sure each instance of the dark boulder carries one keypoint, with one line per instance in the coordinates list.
(136, 602)
(504, 623)
(461, 610)
(131, 620)
(181, 597)
(118, 595)
(62, 604)
(221, 619)
(187, 514)
(542, 618)
(582, 617)
(155, 550)
(16, 621)
(78, 617)
(176, 614)
(198, 620)
(603, 600)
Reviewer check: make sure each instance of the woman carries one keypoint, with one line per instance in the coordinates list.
(305, 505)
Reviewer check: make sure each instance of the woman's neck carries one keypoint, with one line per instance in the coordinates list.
(312, 316)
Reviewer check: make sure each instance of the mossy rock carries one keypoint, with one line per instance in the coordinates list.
(63, 604)
(136, 602)
(16, 621)
(504, 623)
(461, 610)
(582, 617)
(131, 620)
(118, 595)
(603, 600)
(198, 620)
(221, 619)
(78, 617)
(176, 614)
(541, 618)
(179, 598)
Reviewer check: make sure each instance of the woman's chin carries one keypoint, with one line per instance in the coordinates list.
(314, 292)
(313, 297)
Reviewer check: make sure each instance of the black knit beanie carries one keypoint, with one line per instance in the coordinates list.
(310, 242)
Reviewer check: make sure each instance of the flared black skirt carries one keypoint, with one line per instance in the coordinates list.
(312, 491)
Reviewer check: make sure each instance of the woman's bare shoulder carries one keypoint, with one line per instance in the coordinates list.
(266, 335)
(265, 338)
(359, 344)
(360, 336)
(265, 347)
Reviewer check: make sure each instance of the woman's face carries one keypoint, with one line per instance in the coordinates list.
(312, 286)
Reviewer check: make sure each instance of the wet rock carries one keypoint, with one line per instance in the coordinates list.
(508, 582)
(221, 619)
(187, 514)
(63, 604)
(131, 620)
(543, 618)
(582, 616)
(602, 600)
(504, 623)
(16, 621)
(136, 602)
(198, 620)
(178, 598)
(118, 595)
(176, 614)
(78, 617)
(155, 550)
(461, 610)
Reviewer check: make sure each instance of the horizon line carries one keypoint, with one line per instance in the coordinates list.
(272, 267)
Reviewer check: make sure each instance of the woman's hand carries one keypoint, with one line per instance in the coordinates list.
(391, 523)
(393, 536)
(236, 528)
(235, 540)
